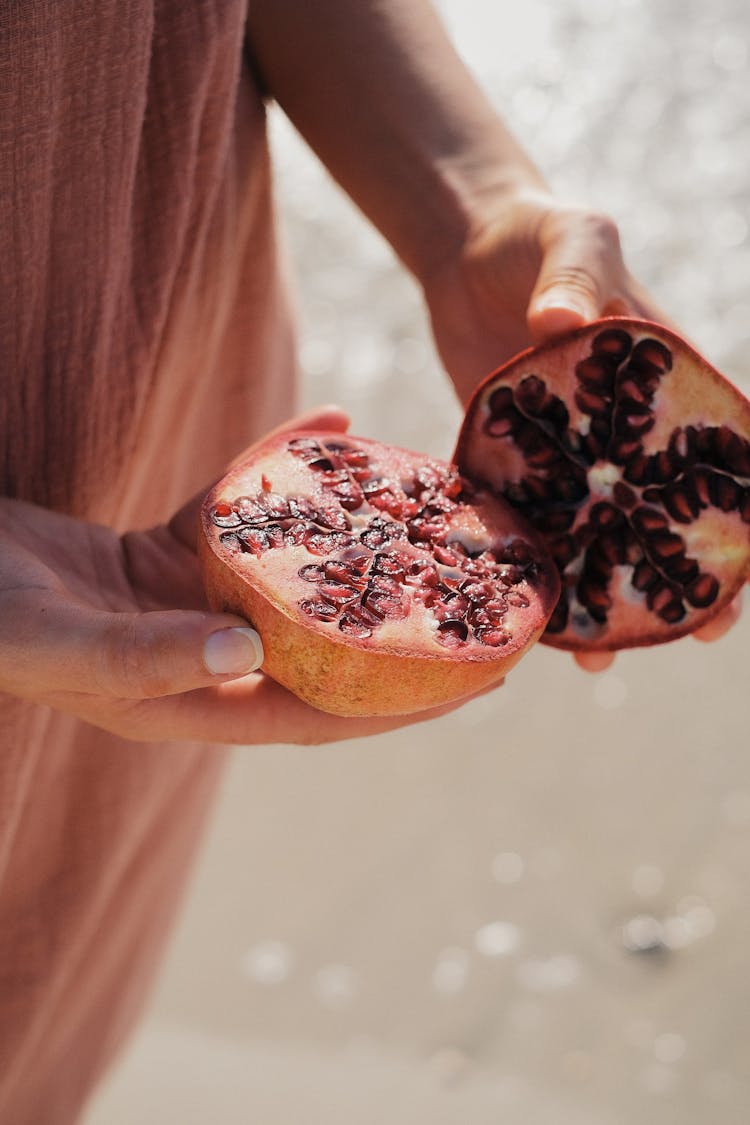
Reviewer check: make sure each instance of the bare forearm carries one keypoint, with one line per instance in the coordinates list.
(378, 91)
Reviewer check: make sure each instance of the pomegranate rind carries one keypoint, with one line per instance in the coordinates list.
(691, 394)
(386, 674)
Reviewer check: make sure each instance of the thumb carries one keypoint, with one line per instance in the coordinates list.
(581, 268)
(62, 646)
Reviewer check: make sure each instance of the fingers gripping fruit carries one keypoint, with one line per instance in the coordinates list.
(381, 581)
(631, 456)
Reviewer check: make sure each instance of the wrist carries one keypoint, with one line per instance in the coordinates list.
(473, 193)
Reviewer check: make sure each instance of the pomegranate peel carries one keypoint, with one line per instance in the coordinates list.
(630, 455)
(380, 580)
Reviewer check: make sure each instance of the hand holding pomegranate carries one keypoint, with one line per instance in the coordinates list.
(529, 270)
(116, 630)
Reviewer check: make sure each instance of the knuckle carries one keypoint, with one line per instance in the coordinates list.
(132, 664)
(575, 278)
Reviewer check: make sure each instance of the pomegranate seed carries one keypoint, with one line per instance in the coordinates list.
(320, 610)
(452, 633)
(493, 637)
(338, 593)
(253, 539)
(265, 483)
(443, 555)
(312, 573)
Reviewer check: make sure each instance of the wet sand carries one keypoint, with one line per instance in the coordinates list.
(534, 910)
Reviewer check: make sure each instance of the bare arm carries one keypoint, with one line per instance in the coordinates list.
(378, 91)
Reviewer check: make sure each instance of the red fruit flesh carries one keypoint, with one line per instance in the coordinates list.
(380, 581)
(631, 457)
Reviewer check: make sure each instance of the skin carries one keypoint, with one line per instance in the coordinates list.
(401, 124)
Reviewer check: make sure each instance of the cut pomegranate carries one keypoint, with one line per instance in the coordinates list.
(631, 456)
(380, 580)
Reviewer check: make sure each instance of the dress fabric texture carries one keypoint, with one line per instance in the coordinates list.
(145, 338)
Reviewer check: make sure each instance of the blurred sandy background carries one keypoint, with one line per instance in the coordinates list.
(533, 911)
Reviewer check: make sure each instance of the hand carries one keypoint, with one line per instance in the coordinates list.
(530, 269)
(117, 631)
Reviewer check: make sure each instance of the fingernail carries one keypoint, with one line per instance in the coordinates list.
(233, 652)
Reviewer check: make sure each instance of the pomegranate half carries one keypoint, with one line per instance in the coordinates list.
(380, 580)
(631, 456)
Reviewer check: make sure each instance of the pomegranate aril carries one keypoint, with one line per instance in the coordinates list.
(322, 543)
(295, 535)
(623, 495)
(701, 479)
(335, 476)
(682, 444)
(531, 393)
(385, 584)
(648, 520)
(589, 402)
(621, 450)
(385, 605)
(322, 465)
(651, 357)
(681, 501)
(501, 400)
(335, 518)
(644, 576)
(637, 469)
(732, 452)
(422, 574)
(389, 564)
(662, 600)
(724, 491)
(230, 541)
(596, 373)
(665, 545)
(275, 535)
(681, 569)
(224, 515)
(703, 591)
(495, 638)
(320, 610)
(452, 632)
(302, 446)
(612, 547)
(338, 593)
(375, 485)
(631, 424)
(444, 556)
(349, 496)
(672, 612)
(312, 572)
(631, 395)
(253, 539)
(354, 626)
(569, 489)
(337, 570)
(301, 508)
(355, 458)
(594, 596)
(612, 342)
(665, 466)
